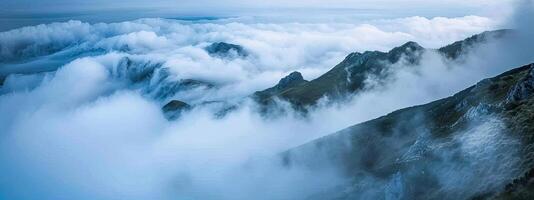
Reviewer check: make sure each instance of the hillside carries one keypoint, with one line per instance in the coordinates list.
(467, 146)
(349, 76)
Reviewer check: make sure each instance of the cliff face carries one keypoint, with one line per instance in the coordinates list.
(467, 146)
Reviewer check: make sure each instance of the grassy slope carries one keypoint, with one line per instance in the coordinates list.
(348, 77)
(374, 147)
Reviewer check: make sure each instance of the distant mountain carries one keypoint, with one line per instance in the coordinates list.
(346, 77)
(154, 79)
(175, 108)
(223, 49)
(349, 76)
(285, 85)
(467, 146)
(454, 50)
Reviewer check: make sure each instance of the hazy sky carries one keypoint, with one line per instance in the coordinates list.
(222, 5)
(216, 4)
(16, 13)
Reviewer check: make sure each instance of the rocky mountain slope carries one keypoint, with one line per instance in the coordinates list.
(345, 79)
(468, 146)
(456, 49)
(349, 76)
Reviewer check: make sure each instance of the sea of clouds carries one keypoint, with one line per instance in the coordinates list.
(72, 127)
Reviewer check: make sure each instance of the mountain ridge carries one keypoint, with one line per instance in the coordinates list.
(422, 137)
(348, 77)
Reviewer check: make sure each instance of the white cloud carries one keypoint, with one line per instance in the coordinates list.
(85, 133)
(276, 48)
(203, 5)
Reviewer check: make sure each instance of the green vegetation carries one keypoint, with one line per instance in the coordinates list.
(349, 76)
(454, 50)
(379, 148)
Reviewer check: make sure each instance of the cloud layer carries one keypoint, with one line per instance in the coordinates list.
(86, 131)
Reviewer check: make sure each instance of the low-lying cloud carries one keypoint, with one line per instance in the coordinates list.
(86, 132)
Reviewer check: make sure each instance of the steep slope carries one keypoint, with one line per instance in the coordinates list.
(467, 146)
(349, 76)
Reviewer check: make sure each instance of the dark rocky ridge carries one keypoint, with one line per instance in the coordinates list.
(155, 79)
(175, 105)
(349, 76)
(175, 108)
(423, 139)
(222, 49)
(136, 71)
(523, 90)
(454, 50)
(295, 78)
(285, 84)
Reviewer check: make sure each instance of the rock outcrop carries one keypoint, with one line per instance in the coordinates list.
(286, 84)
(293, 79)
(222, 49)
(467, 146)
(524, 89)
(174, 109)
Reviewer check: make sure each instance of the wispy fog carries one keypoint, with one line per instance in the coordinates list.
(87, 131)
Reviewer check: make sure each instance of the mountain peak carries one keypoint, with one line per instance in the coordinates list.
(350, 75)
(454, 50)
(353, 55)
(293, 77)
(223, 49)
(408, 46)
(411, 50)
(412, 45)
(175, 108)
